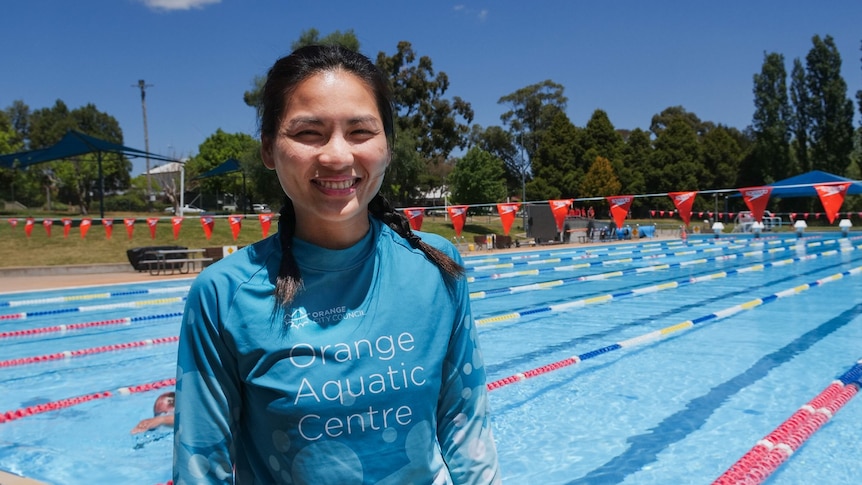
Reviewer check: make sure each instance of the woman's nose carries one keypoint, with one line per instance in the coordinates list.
(336, 151)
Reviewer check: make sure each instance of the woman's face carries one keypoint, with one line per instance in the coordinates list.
(330, 154)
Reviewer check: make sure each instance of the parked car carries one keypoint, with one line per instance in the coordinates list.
(261, 209)
(187, 209)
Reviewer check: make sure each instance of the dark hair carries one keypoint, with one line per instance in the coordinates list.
(283, 78)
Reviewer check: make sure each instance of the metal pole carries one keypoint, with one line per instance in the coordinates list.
(143, 86)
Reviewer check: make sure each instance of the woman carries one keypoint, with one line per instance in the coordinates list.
(342, 349)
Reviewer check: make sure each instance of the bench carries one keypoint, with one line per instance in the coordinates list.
(182, 260)
(580, 233)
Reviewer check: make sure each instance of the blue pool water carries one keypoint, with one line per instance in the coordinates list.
(665, 406)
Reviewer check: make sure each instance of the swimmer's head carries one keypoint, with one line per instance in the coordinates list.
(164, 404)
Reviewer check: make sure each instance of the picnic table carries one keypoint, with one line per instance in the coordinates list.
(159, 261)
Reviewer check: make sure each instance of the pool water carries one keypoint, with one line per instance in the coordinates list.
(711, 361)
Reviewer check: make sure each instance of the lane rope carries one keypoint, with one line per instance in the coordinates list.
(764, 458)
(85, 325)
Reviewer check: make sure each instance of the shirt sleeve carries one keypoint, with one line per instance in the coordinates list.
(464, 425)
(207, 395)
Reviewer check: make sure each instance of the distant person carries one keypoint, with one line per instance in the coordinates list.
(342, 349)
(163, 414)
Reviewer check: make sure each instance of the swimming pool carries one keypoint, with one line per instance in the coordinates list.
(640, 363)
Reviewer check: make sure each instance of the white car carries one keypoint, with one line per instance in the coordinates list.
(187, 209)
(261, 209)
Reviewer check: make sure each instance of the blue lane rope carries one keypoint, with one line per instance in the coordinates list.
(94, 296)
(132, 304)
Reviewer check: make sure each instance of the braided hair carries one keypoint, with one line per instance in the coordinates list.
(282, 79)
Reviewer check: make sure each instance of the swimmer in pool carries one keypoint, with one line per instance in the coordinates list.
(163, 414)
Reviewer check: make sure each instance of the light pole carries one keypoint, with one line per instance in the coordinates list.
(143, 86)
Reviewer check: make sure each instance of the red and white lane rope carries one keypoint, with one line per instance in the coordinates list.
(68, 354)
(74, 401)
(773, 450)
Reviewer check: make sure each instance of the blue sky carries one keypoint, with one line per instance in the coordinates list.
(631, 59)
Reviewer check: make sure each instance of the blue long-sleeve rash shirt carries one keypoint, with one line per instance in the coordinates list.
(372, 375)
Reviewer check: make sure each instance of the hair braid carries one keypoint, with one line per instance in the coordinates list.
(383, 210)
(289, 277)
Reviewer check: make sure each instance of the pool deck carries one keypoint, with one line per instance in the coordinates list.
(45, 278)
(10, 479)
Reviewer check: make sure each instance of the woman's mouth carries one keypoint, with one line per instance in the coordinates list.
(336, 184)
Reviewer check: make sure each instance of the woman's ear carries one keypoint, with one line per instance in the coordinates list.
(266, 152)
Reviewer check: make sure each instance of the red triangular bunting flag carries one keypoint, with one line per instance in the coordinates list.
(265, 222)
(560, 208)
(458, 213)
(28, 226)
(208, 222)
(129, 222)
(85, 226)
(415, 215)
(109, 227)
(151, 223)
(48, 223)
(620, 207)
(235, 225)
(177, 223)
(756, 199)
(831, 196)
(507, 212)
(67, 225)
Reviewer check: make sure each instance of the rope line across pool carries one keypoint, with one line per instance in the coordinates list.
(761, 461)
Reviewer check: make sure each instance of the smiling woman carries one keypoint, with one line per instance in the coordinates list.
(300, 346)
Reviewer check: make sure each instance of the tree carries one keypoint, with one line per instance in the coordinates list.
(600, 139)
(557, 155)
(661, 121)
(500, 143)
(831, 111)
(800, 121)
(677, 158)
(635, 158)
(76, 181)
(478, 178)
(770, 160)
(311, 36)
(214, 151)
(406, 175)
(532, 109)
(600, 180)
(438, 125)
